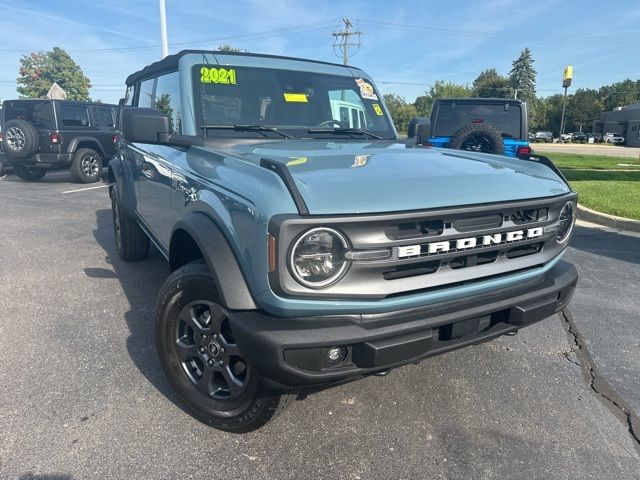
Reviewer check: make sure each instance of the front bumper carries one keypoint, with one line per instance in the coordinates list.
(289, 352)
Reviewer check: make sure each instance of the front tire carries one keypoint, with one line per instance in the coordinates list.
(29, 174)
(201, 359)
(86, 166)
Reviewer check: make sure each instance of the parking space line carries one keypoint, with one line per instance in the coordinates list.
(88, 188)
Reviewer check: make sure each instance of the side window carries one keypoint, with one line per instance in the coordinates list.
(102, 117)
(128, 96)
(163, 93)
(145, 97)
(74, 115)
(167, 100)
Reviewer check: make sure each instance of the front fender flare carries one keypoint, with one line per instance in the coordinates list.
(222, 262)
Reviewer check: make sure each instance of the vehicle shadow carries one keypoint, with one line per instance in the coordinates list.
(607, 244)
(140, 282)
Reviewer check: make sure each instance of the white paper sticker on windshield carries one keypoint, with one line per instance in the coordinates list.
(366, 90)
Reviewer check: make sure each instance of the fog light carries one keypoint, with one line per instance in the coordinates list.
(336, 355)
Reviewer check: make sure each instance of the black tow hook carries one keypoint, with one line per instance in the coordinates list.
(512, 333)
(382, 373)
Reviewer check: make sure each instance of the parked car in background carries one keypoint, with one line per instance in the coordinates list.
(42, 135)
(4, 159)
(546, 137)
(578, 137)
(614, 138)
(565, 137)
(488, 125)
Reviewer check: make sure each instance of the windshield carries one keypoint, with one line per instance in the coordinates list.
(453, 116)
(291, 101)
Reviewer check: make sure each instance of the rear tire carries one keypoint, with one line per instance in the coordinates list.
(20, 139)
(132, 242)
(86, 166)
(478, 138)
(29, 174)
(201, 359)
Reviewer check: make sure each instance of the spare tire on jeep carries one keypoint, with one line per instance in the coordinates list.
(478, 138)
(20, 139)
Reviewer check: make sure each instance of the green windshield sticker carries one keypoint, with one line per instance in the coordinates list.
(221, 76)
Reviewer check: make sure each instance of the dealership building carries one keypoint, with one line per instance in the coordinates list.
(622, 120)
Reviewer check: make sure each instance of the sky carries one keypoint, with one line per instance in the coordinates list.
(405, 45)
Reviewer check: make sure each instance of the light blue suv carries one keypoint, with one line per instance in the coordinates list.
(308, 245)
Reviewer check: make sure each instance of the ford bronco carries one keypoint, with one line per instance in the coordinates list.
(308, 245)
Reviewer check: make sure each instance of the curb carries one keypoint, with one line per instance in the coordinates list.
(607, 220)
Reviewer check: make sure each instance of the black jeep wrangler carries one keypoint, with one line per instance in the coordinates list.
(41, 135)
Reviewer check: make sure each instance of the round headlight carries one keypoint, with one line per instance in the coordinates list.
(565, 222)
(318, 257)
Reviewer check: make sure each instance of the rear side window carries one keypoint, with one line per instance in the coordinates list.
(450, 120)
(39, 114)
(74, 116)
(102, 116)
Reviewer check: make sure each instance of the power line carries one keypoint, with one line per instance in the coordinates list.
(484, 33)
(342, 41)
(306, 28)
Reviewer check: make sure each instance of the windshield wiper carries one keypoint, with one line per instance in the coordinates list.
(249, 128)
(344, 130)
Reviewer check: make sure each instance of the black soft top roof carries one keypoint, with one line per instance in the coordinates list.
(73, 102)
(170, 63)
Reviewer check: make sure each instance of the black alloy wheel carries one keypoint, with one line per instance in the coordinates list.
(477, 143)
(208, 352)
(203, 362)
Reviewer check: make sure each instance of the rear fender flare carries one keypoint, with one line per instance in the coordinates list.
(73, 145)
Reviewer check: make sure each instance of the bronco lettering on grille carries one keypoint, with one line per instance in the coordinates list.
(470, 242)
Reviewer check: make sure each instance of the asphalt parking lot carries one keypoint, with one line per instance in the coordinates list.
(83, 395)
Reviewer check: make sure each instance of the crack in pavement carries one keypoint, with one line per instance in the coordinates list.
(596, 381)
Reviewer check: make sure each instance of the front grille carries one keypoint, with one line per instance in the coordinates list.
(430, 250)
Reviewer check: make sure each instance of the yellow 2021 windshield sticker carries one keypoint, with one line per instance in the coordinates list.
(224, 76)
(295, 97)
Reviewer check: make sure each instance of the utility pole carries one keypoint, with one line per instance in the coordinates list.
(564, 107)
(567, 76)
(342, 40)
(163, 28)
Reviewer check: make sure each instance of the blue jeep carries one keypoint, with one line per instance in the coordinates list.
(307, 244)
(488, 125)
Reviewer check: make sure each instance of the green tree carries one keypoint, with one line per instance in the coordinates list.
(440, 89)
(523, 76)
(164, 105)
(553, 113)
(229, 48)
(582, 108)
(491, 84)
(401, 111)
(619, 94)
(39, 70)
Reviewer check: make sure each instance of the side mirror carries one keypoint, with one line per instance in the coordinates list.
(419, 129)
(145, 125)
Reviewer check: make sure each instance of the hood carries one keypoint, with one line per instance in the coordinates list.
(349, 177)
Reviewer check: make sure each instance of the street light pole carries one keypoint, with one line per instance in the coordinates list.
(163, 28)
